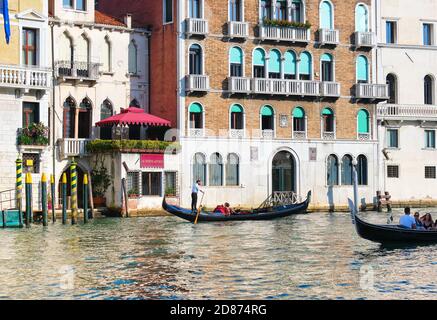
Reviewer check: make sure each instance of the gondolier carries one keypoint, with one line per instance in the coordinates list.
(194, 191)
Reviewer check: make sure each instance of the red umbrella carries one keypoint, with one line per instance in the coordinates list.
(134, 116)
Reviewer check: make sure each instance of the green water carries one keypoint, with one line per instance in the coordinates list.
(315, 256)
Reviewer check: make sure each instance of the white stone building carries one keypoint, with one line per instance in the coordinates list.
(407, 123)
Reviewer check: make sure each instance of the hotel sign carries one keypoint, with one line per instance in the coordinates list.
(152, 161)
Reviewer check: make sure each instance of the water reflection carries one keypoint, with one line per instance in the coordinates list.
(316, 256)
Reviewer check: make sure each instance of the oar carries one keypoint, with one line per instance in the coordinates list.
(200, 208)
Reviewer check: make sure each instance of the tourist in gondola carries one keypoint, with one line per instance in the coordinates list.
(427, 221)
(407, 221)
(194, 191)
(419, 223)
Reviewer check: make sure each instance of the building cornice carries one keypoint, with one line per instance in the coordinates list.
(407, 46)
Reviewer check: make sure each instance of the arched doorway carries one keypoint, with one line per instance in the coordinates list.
(80, 174)
(283, 172)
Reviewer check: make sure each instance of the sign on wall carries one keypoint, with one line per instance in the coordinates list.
(152, 161)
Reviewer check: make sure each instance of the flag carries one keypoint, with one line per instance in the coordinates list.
(5, 12)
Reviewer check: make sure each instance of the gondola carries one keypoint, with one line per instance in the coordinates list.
(392, 233)
(257, 214)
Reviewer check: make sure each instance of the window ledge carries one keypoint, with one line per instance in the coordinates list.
(393, 148)
(429, 149)
(133, 75)
(108, 73)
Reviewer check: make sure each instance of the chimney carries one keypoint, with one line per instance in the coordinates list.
(128, 20)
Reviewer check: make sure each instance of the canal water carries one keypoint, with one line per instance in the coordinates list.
(314, 256)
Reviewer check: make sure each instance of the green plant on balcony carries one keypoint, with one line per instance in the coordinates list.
(133, 193)
(36, 135)
(109, 146)
(170, 191)
(286, 24)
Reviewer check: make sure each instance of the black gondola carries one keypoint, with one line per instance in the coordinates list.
(257, 214)
(393, 233)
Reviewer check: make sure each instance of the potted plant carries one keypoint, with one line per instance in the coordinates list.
(133, 193)
(101, 181)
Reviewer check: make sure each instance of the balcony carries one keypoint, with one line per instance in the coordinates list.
(239, 85)
(329, 89)
(236, 133)
(365, 39)
(238, 29)
(299, 135)
(76, 70)
(328, 135)
(407, 112)
(196, 133)
(285, 87)
(371, 91)
(364, 136)
(195, 27)
(329, 37)
(268, 134)
(73, 147)
(197, 83)
(287, 34)
(25, 77)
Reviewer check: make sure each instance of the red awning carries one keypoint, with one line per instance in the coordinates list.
(134, 116)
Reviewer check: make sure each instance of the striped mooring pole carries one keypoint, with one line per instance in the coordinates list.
(85, 198)
(64, 198)
(52, 190)
(29, 211)
(73, 175)
(19, 188)
(44, 200)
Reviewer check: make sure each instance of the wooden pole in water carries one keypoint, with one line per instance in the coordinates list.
(73, 175)
(44, 199)
(52, 188)
(90, 191)
(85, 198)
(19, 188)
(29, 211)
(64, 198)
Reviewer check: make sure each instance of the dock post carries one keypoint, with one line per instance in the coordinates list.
(19, 188)
(85, 198)
(64, 198)
(29, 211)
(53, 191)
(44, 200)
(73, 175)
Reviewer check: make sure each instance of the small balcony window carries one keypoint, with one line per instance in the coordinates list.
(30, 114)
(393, 138)
(390, 32)
(30, 47)
(81, 5)
(428, 34)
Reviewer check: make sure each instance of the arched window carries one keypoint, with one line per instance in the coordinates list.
(106, 111)
(69, 117)
(267, 118)
(134, 103)
(346, 170)
(266, 9)
(232, 170)
(106, 56)
(275, 64)
(332, 170)
(199, 168)
(362, 70)
(361, 18)
(195, 9)
(362, 170)
(83, 56)
(429, 90)
(196, 116)
(296, 10)
(281, 10)
(235, 10)
(290, 65)
(363, 122)
(326, 15)
(328, 120)
(259, 63)
(237, 117)
(236, 62)
(196, 59)
(216, 170)
(392, 83)
(66, 55)
(133, 58)
(305, 69)
(85, 119)
(299, 120)
(327, 67)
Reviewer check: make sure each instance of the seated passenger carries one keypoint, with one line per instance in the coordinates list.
(427, 221)
(419, 224)
(407, 221)
(220, 209)
(229, 210)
